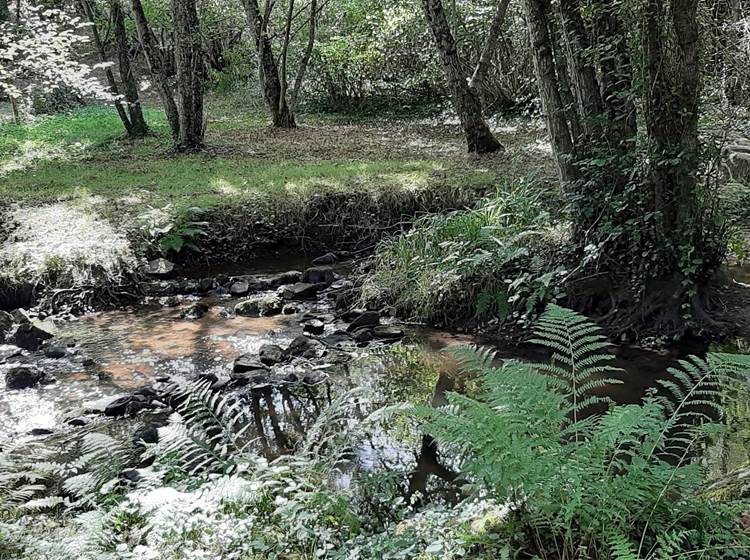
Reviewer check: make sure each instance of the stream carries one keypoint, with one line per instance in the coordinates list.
(112, 353)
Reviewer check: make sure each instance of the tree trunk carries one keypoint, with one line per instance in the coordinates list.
(191, 75)
(537, 13)
(479, 138)
(268, 71)
(138, 125)
(85, 7)
(158, 67)
(670, 91)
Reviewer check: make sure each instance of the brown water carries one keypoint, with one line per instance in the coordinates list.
(134, 347)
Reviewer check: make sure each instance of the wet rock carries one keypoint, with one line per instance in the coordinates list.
(29, 336)
(366, 319)
(131, 475)
(270, 354)
(99, 405)
(194, 311)
(290, 309)
(160, 288)
(328, 258)
(129, 404)
(41, 431)
(160, 268)
(220, 291)
(345, 298)
(248, 362)
(273, 281)
(104, 376)
(77, 422)
(341, 285)
(205, 284)
(239, 289)
(314, 377)
(313, 326)
(23, 377)
(363, 335)
(338, 338)
(55, 352)
(257, 306)
(302, 291)
(304, 347)
(388, 332)
(319, 275)
(88, 362)
(147, 392)
(169, 301)
(148, 433)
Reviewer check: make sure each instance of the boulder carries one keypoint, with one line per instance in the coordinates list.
(194, 311)
(23, 377)
(41, 431)
(338, 338)
(271, 354)
(328, 258)
(363, 335)
(290, 309)
(257, 306)
(160, 268)
(319, 275)
(169, 301)
(313, 326)
(388, 332)
(239, 288)
(255, 378)
(366, 319)
(302, 291)
(29, 336)
(304, 347)
(148, 433)
(129, 404)
(248, 362)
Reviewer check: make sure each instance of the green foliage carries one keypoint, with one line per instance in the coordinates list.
(172, 231)
(618, 482)
(496, 259)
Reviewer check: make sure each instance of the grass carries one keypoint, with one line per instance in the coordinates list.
(330, 180)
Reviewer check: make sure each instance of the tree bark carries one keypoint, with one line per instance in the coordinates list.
(85, 7)
(479, 138)
(306, 56)
(490, 44)
(158, 67)
(138, 125)
(191, 75)
(537, 14)
(270, 79)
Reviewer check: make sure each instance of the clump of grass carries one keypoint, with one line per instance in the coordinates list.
(495, 259)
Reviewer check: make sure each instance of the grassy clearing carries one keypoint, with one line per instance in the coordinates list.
(328, 183)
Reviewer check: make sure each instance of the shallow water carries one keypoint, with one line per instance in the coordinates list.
(135, 347)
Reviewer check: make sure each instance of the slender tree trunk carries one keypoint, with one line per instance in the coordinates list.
(479, 138)
(270, 80)
(537, 13)
(111, 82)
(490, 45)
(158, 67)
(191, 75)
(299, 78)
(138, 126)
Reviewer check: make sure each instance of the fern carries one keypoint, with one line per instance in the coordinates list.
(579, 358)
(587, 474)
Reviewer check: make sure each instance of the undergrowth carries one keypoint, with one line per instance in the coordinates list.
(496, 259)
(550, 469)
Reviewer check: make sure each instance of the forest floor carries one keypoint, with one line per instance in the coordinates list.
(81, 154)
